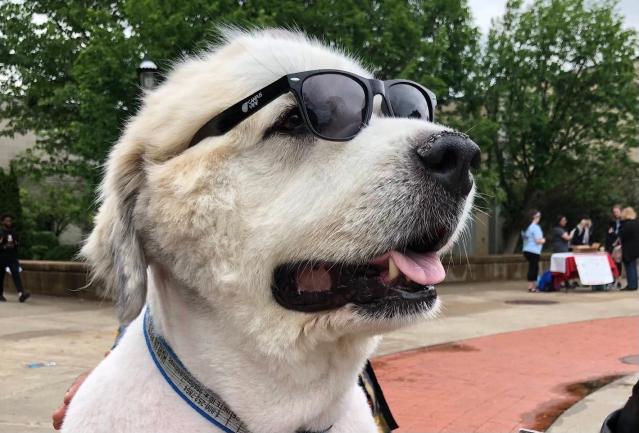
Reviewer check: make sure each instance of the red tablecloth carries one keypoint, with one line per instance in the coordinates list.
(571, 270)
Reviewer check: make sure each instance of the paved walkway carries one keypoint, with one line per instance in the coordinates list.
(507, 381)
(519, 356)
(501, 312)
(72, 333)
(596, 406)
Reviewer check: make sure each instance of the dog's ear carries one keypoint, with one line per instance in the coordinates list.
(113, 250)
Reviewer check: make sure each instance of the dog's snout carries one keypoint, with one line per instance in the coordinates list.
(448, 158)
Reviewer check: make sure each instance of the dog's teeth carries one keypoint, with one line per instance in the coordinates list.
(393, 270)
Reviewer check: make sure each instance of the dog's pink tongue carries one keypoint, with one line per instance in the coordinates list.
(426, 269)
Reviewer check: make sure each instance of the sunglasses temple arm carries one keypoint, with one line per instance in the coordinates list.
(236, 113)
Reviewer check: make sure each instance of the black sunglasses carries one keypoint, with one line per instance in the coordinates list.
(335, 105)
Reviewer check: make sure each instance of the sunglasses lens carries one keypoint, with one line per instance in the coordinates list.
(408, 101)
(335, 105)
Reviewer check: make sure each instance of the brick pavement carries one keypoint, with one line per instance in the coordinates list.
(75, 333)
(502, 382)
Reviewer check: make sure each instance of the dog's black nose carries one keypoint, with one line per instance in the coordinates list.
(448, 158)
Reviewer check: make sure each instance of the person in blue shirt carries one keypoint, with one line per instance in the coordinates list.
(534, 240)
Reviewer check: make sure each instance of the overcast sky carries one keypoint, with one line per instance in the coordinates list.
(485, 10)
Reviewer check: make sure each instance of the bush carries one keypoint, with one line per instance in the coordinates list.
(10, 194)
(45, 246)
(37, 252)
(43, 238)
(62, 252)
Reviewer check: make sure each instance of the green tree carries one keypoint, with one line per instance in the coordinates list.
(69, 68)
(559, 107)
(10, 194)
(11, 203)
(432, 42)
(54, 204)
(51, 205)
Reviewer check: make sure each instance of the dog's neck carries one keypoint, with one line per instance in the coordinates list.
(269, 394)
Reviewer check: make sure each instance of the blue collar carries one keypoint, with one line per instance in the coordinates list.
(203, 400)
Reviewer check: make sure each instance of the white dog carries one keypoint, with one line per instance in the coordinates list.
(272, 232)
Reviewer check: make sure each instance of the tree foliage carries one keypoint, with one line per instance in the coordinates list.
(51, 205)
(69, 68)
(551, 99)
(10, 194)
(560, 105)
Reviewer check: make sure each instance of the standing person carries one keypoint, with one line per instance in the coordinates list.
(629, 236)
(614, 225)
(582, 233)
(612, 238)
(560, 236)
(9, 257)
(534, 240)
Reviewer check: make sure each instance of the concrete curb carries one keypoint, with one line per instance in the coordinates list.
(587, 415)
(72, 278)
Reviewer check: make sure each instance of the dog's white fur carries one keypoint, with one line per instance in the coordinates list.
(196, 233)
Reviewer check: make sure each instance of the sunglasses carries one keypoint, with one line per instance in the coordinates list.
(335, 105)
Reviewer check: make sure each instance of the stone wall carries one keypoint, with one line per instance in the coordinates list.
(54, 278)
(71, 278)
(490, 268)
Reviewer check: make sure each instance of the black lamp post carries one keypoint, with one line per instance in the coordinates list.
(148, 74)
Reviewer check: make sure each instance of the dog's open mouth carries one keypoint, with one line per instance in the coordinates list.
(393, 279)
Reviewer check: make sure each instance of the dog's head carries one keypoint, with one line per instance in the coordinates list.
(290, 236)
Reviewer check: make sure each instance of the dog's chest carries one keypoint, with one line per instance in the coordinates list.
(126, 393)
